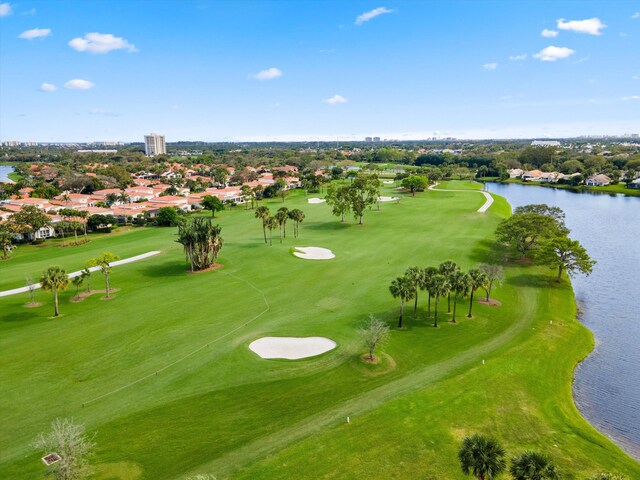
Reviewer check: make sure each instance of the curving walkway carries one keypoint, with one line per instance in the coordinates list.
(6, 293)
(487, 195)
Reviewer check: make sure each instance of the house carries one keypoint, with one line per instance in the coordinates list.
(599, 180)
(635, 184)
(532, 176)
(169, 201)
(515, 172)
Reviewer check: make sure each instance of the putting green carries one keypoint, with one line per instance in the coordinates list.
(170, 387)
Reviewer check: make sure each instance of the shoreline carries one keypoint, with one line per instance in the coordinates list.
(619, 190)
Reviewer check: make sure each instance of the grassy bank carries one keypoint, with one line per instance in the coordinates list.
(163, 375)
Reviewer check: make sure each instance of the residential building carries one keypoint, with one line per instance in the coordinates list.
(599, 180)
(154, 145)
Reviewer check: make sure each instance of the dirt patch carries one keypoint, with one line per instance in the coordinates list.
(372, 361)
(213, 267)
(82, 295)
(32, 304)
(490, 303)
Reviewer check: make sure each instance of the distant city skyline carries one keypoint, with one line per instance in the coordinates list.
(200, 70)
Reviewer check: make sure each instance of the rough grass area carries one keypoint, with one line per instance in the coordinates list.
(163, 373)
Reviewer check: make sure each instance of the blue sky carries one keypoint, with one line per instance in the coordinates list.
(297, 70)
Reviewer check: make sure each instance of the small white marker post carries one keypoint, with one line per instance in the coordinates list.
(348, 420)
(483, 361)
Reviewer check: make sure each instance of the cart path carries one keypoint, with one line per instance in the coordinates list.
(6, 293)
(487, 195)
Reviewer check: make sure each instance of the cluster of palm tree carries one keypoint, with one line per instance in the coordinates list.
(484, 458)
(444, 281)
(72, 221)
(201, 241)
(279, 220)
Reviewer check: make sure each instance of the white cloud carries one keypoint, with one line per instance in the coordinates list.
(636, 77)
(268, 74)
(48, 87)
(335, 100)
(30, 12)
(632, 97)
(490, 66)
(35, 33)
(635, 15)
(79, 84)
(371, 14)
(518, 58)
(592, 26)
(101, 43)
(5, 9)
(549, 33)
(551, 53)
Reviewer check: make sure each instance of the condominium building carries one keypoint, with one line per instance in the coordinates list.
(154, 145)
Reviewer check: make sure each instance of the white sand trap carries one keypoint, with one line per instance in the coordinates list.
(387, 182)
(291, 348)
(387, 199)
(313, 253)
(316, 200)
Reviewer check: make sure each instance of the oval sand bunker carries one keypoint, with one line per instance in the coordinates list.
(316, 200)
(291, 348)
(313, 253)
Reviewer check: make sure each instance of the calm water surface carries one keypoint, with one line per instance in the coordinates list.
(4, 172)
(607, 384)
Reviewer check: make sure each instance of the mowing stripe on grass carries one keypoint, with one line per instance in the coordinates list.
(260, 448)
(190, 354)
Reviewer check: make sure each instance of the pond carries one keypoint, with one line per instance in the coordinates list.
(607, 384)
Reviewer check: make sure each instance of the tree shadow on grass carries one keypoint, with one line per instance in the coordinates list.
(530, 280)
(17, 317)
(489, 251)
(166, 269)
(327, 226)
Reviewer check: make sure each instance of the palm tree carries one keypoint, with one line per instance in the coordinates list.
(201, 241)
(482, 457)
(282, 215)
(54, 279)
(402, 288)
(479, 279)
(77, 282)
(263, 213)
(415, 275)
(86, 274)
(447, 269)
(6, 242)
(425, 284)
(75, 226)
(104, 262)
(441, 287)
(460, 285)
(297, 216)
(112, 198)
(531, 465)
(272, 222)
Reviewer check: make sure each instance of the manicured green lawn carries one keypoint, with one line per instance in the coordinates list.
(215, 407)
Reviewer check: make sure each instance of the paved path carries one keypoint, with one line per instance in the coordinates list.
(6, 293)
(487, 195)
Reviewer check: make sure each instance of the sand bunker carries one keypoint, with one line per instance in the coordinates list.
(316, 200)
(291, 348)
(313, 253)
(387, 182)
(387, 199)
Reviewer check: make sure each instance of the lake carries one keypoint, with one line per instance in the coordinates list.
(4, 173)
(607, 384)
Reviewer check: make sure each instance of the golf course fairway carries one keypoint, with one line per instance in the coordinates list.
(162, 374)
